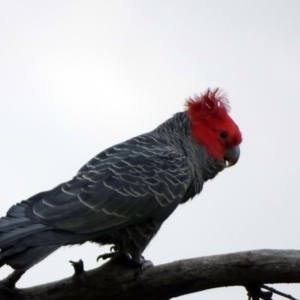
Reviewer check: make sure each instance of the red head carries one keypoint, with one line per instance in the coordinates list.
(211, 125)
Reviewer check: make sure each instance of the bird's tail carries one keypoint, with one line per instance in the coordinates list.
(17, 230)
(24, 258)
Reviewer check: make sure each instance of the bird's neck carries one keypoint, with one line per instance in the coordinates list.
(177, 132)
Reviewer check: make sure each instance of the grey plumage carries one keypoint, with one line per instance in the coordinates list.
(121, 197)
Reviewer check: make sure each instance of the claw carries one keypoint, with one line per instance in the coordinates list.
(140, 263)
(106, 255)
(146, 265)
(113, 249)
(127, 259)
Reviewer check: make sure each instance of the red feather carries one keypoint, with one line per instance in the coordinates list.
(209, 117)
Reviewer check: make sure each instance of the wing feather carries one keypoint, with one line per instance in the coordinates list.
(123, 185)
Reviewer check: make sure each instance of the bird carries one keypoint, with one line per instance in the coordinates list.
(123, 195)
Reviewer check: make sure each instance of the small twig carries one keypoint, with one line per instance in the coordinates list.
(78, 267)
(278, 292)
(11, 280)
(255, 293)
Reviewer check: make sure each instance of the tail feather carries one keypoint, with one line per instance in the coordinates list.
(16, 227)
(18, 210)
(19, 222)
(11, 237)
(23, 258)
(9, 223)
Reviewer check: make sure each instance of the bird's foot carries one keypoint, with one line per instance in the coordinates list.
(78, 267)
(255, 293)
(142, 263)
(127, 259)
(9, 283)
(113, 252)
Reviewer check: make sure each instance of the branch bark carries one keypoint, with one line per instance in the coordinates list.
(115, 281)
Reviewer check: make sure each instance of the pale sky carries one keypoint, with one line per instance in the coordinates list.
(79, 76)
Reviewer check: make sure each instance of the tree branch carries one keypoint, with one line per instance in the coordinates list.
(115, 281)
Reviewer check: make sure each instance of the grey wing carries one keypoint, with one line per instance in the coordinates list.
(121, 189)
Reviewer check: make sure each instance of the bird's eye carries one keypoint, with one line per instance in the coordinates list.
(223, 134)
